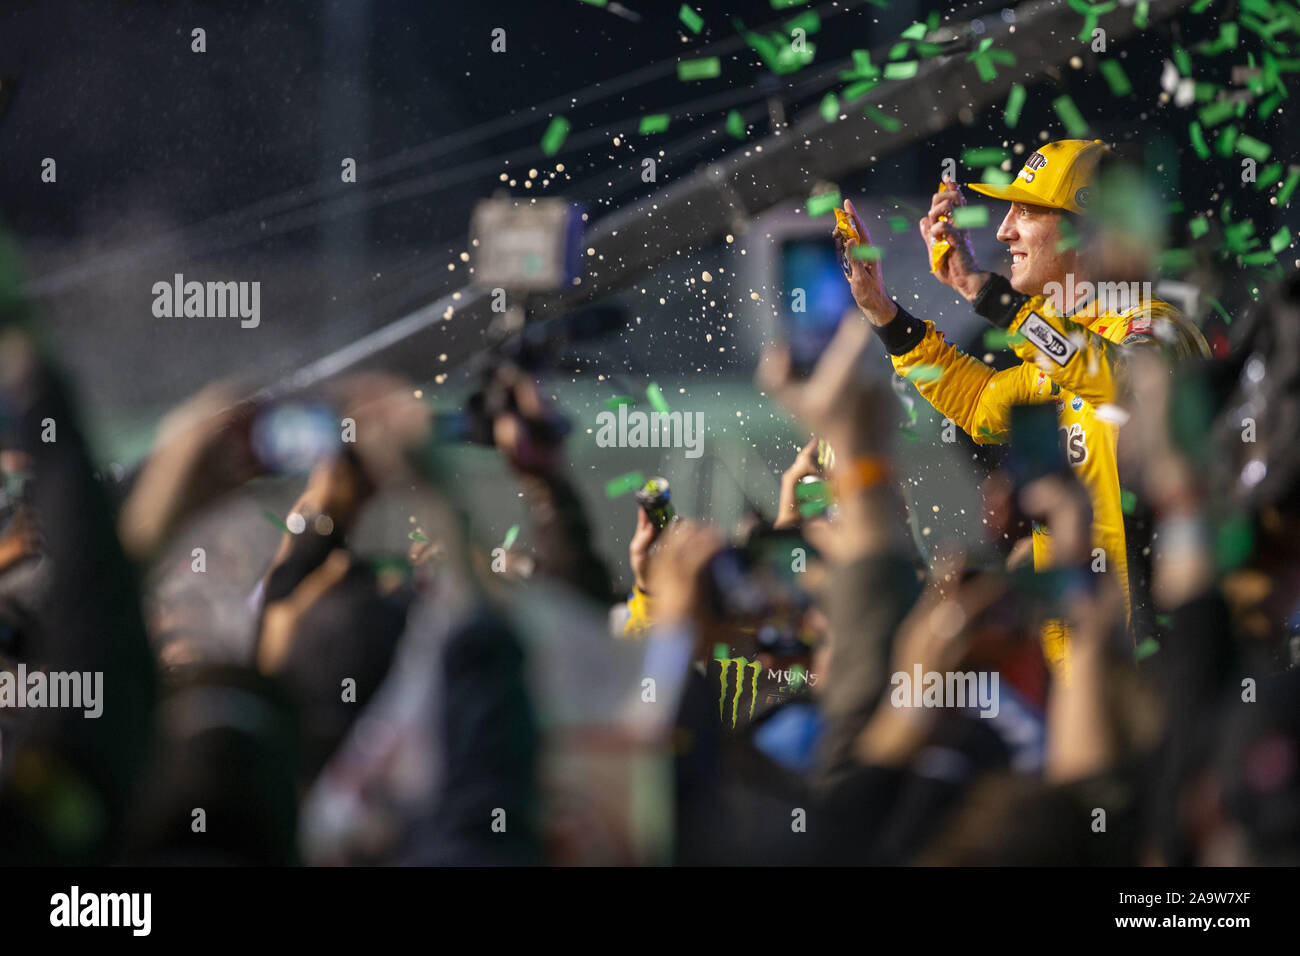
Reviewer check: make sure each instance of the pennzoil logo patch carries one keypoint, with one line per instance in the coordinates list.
(1058, 348)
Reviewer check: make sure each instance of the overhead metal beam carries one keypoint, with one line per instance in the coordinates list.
(702, 208)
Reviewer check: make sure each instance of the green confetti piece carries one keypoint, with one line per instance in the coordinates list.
(1200, 6)
(984, 155)
(867, 253)
(656, 123)
(1268, 176)
(915, 32)
(899, 224)
(1127, 501)
(1070, 116)
(1261, 27)
(766, 48)
(1216, 113)
(1090, 16)
(1015, 102)
(926, 50)
(1182, 61)
(984, 57)
(997, 339)
(1198, 227)
(786, 4)
(1140, 15)
(985, 68)
(1284, 195)
(1237, 237)
(788, 59)
(617, 487)
(1226, 40)
(1281, 239)
(1258, 258)
(1227, 139)
(830, 107)
(823, 203)
(1269, 106)
(276, 520)
(1256, 150)
(736, 125)
(1177, 260)
(613, 403)
(703, 69)
(694, 22)
(902, 70)
(863, 68)
(1165, 620)
(808, 22)
(1198, 140)
(555, 135)
(416, 536)
(898, 51)
(1148, 648)
(887, 123)
(596, 3)
(512, 534)
(1292, 16)
(995, 176)
(1116, 78)
(909, 434)
(656, 398)
(858, 90)
(970, 217)
(1205, 92)
(920, 374)
(1233, 543)
(721, 652)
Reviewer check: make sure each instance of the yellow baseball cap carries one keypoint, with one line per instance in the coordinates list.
(1057, 174)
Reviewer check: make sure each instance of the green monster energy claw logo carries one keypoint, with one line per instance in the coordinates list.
(741, 664)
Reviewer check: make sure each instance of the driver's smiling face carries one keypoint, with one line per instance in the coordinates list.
(1033, 234)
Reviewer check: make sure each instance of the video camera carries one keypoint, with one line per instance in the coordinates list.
(532, 349)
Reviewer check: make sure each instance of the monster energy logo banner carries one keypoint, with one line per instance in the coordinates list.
(793, 676)
(741, 666)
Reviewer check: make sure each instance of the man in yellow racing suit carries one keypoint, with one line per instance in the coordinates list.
(1071, 338)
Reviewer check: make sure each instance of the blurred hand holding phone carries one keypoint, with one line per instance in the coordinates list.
(1036, 449)
(757, 588)
(289, 437)
(655, 499)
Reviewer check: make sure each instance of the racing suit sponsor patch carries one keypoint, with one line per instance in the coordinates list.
(1057, 347)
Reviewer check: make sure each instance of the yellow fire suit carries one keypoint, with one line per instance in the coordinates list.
(1075, 362)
